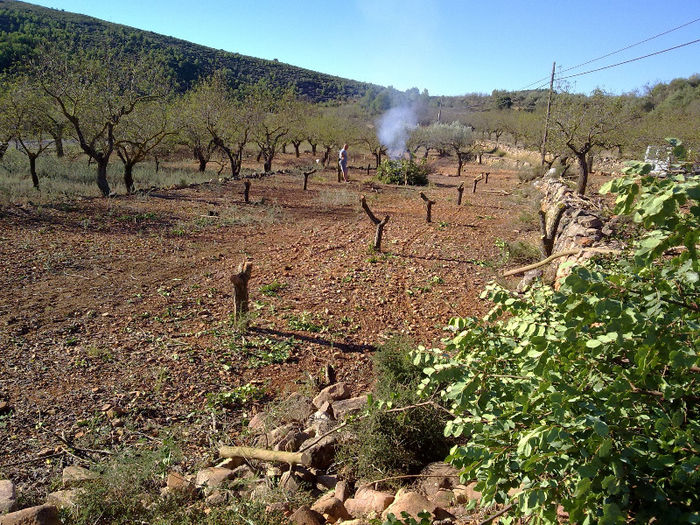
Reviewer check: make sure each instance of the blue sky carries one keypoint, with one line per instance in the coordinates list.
(449, 47)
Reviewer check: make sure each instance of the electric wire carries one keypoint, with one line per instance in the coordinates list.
(608, 55)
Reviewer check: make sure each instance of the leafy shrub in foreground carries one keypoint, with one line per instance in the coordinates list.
(403, 171)
(587, 397)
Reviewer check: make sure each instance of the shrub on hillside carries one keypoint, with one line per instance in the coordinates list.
(403, 171)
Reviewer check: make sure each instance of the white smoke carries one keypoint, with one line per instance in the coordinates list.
(394, 127)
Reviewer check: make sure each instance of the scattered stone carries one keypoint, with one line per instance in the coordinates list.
(5, 407)
(305, 516)
(290, 482)
(444, 498)
(75, 476)
(465, 493)
(63, 499)
(212, 477)
(257, 422)
(346, 407)
(331, 508)
(342, 491)
(292, 441)
(366, 501)
(323, 452)
(176, 482)
(8, 496)
(414, 503)
(332, 393)
(297, 407)
(281, 507)
(273, 472)
(216, 498)
(327, 481)
(40, 515)
(442, 476)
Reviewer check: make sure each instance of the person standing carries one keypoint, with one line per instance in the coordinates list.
(343, 162)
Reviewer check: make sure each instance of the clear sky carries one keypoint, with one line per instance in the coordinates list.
(449, 47)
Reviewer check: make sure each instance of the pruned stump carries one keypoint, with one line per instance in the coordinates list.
(368, 168)
(428, 207)
(476, 181)
(460, 191)
(240, 289)
(486, 178)
(378, 223)
(246, 191)
(306, 177)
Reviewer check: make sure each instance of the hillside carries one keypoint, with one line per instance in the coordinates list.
(24, 27)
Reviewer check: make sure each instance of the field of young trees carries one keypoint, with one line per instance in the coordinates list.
(128, 199)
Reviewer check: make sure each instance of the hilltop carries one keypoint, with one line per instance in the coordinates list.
(24, 28)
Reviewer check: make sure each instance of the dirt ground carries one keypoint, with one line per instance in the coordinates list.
(125, 303)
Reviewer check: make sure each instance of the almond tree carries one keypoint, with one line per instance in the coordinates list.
(583, 123)
(95, 90)
(23, 113)
(276, 112)
(456, 137)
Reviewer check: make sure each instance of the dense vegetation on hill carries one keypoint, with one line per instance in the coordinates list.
(25, 27)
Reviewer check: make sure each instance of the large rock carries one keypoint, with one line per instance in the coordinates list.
(413, 503)
(63, 499)
(346, 407)
(75, 476)
(212, 478)
(8, 496)
(41, 515)
(439, 476)
(331, 508)
(332, 393)
(306, 516)
(322, 452)
(465, 493)
(366, 501)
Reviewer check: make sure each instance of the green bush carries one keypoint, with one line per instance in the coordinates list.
(388, 443)
(403, 171)
(587, 396)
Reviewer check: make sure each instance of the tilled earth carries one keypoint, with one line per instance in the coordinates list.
(115, 314)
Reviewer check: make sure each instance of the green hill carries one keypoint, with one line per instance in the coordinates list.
(24, 27)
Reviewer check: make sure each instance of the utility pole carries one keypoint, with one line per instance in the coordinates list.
(549, 107)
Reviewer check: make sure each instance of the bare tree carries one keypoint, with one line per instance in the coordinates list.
(95, 90)
(23, 113)
(583, 123)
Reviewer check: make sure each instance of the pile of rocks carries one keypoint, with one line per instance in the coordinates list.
(310, 434)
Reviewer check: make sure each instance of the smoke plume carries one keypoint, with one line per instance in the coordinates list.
(394, 127)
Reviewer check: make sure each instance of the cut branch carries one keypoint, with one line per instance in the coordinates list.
(554, 256)
(476, 181)
(428, 207)
(293, 458)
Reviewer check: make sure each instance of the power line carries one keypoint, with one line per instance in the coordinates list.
(543, 79)
(630, 60)
(629, 46)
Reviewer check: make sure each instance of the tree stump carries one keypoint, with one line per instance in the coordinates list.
(240, 289)
(380, 224)
(460, 191)
(246, 191)
(548, 237)
(428, 207)
(476, 181)
(486, 178)
(306, 177)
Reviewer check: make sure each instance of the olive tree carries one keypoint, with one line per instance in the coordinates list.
(95, 90)
(455, 137)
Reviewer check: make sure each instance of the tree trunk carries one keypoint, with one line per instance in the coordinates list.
(460, 163)
(58, 141)
(3, 149)
(157, 161)
(129, 178)
(284, 148)
(296, 144)
(589, 162)
(102, 176)
(246, 191)
(313, 148)
(583, 173)
(201, 158)
(460, 191)
(267, 166)
(32, 170)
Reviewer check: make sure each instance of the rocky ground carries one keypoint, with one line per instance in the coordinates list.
(115, 314)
